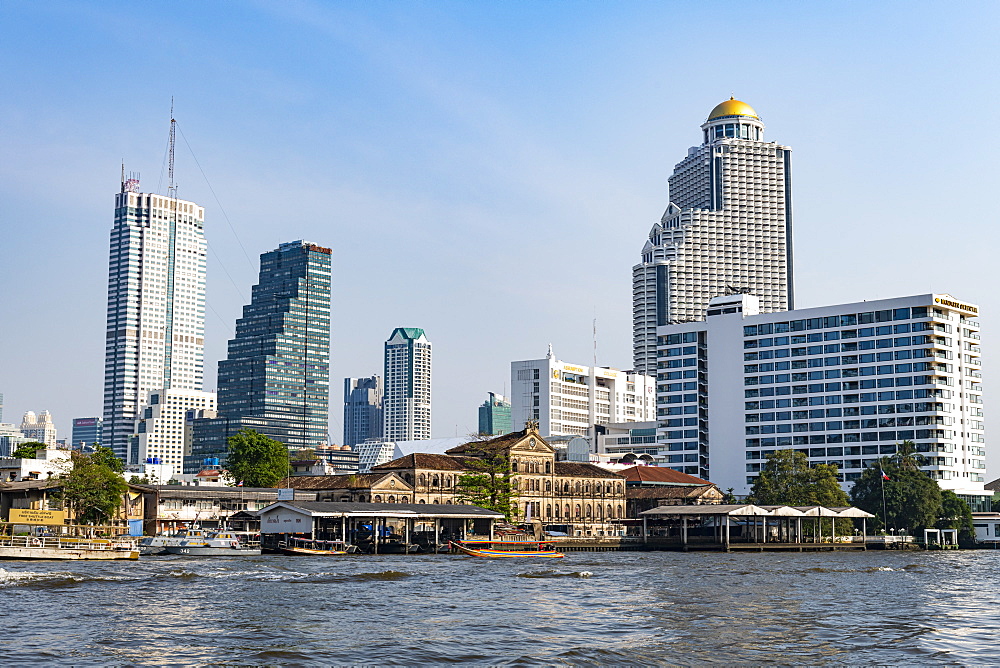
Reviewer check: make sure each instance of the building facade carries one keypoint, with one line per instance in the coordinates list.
(494, 416)
(728, 228)
(159, 430)
(407, 400)
(156, 305)
(87, 432)
(39, 428)
(276, 376)
(569, 399)
(844, 384)
(362, 409)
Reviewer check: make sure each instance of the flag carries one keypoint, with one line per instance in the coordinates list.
(885, 476)
(240, 483)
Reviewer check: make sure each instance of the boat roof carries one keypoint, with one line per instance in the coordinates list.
(750, 509)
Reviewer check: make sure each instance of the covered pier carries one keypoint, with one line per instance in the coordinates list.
(752, 527)
(376, 528)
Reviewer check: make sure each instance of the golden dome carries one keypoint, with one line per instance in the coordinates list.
(733, 107)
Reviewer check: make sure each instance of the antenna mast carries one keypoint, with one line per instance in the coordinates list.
(172, 187)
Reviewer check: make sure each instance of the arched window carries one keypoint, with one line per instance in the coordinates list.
(618, 513)
(422, 480)
(619, 488)
(577, 486)
(436, 482)
(600, 512)
(566, 487)
(422, 501)
(557, 510)
(548, 510)
(611, 511)
(548, 466)
(567, 510)
(586, 487)
(578, 510)
(590, 511)
(548, 485)
(513, 466)
(378, 498)
(392, 498)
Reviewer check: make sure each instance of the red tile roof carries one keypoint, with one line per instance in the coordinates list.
(660, 475)
(425, 460)
(582, 470)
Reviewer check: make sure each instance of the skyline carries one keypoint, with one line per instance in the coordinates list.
(498, 143)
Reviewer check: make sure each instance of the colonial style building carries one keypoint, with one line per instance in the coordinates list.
(586, 498)
(354, 488)
(648, 487)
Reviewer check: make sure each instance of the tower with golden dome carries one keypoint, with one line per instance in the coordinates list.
(727, 228)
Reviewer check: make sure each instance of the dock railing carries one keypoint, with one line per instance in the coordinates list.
(70, 543)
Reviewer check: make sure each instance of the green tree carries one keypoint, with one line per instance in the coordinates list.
(92, 487)
(956, 514)
(488, 484)
(912, 499)
(28, 450)
(787, 479)
(256, 460)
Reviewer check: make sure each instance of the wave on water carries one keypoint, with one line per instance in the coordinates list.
(51, 579)
(381, 575)
(555, 574)
(870, 569)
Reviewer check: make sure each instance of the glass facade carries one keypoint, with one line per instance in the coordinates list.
(494, 416)
(276, 376)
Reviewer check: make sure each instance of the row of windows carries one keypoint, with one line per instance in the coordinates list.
(817, 337)
(903, 435)
(828, 322)
(834, 348)
(901, 381)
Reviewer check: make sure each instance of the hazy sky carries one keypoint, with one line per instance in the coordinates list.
(485, 171)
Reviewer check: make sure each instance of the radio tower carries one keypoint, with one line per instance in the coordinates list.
(171, 187)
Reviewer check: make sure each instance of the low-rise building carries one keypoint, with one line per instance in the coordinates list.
(358, 488)
(46, 463)
(648, 487)
(171, 507)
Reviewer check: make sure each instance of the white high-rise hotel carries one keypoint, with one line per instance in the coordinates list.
(728, 228)
(407, 400)
(156, 307)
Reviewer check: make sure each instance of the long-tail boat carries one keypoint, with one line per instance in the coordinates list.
(506, 549)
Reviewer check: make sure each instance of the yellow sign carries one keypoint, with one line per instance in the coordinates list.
(948, 302)
(23, 516)
(575, 369)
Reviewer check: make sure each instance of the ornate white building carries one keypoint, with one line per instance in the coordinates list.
(39, 428)
(727, 229)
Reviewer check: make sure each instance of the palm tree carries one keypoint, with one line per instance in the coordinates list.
(907, 458)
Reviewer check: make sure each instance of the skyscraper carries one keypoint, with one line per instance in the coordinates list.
(276, 376)
(727, 229)
(407, 401)
(362, 409)
(86, 432)
(156, 305)
(494, 416)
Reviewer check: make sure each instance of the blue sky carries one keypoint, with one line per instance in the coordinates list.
(485, 171)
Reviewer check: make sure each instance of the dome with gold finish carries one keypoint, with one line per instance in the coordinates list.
(733, 107)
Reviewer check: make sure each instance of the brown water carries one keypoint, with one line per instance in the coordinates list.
(587, 609)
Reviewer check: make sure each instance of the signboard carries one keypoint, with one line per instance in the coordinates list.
(954, 304)
(25, 516)
(286, 495)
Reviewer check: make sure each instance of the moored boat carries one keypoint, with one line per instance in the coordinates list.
(507, 549)
(154, 545)
(67, 548)
(219, 544)
(315, 548)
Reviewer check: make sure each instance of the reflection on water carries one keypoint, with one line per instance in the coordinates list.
(599, 608)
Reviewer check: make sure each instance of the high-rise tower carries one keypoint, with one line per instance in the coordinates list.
(362, 409)
(407, 401)
(276, 377)
(156, 305)
(727, 229)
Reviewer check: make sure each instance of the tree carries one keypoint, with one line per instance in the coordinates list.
(28, 450)
(255, 459)
(305, 454)
(787, 479)
(912, 499)
(92, 487)
(488, 484)
(956, 514)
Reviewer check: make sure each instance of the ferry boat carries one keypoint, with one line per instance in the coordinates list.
(500, 549)
(219, 544)
(315, 548)
(154, 545)
(67, 547)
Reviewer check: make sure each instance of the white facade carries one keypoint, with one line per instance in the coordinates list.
(39, 428)
(569, 399)
(156, 306)
(406, 404)
(46, 463)
(728, 228)
(843, 384)
(160, 436)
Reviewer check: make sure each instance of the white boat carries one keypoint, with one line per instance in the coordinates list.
(219, 544)
(67, 548)
(153, 545)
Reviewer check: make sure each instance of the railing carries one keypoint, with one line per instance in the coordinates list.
(67, 543)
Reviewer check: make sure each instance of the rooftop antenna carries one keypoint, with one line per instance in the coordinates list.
(171, 186)
(595, 336)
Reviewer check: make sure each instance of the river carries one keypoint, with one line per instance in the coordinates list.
(587, 609)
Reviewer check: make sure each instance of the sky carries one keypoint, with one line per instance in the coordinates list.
(485, 171)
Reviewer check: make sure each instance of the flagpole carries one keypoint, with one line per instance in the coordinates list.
(885, 521)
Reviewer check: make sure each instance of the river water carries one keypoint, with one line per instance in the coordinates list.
(587, 609)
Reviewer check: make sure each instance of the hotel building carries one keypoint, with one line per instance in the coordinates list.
(843, 384)
(160, 428)
(407, 401)
(569, 399)
(728, 228)
(156, 306)
(362, 409)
